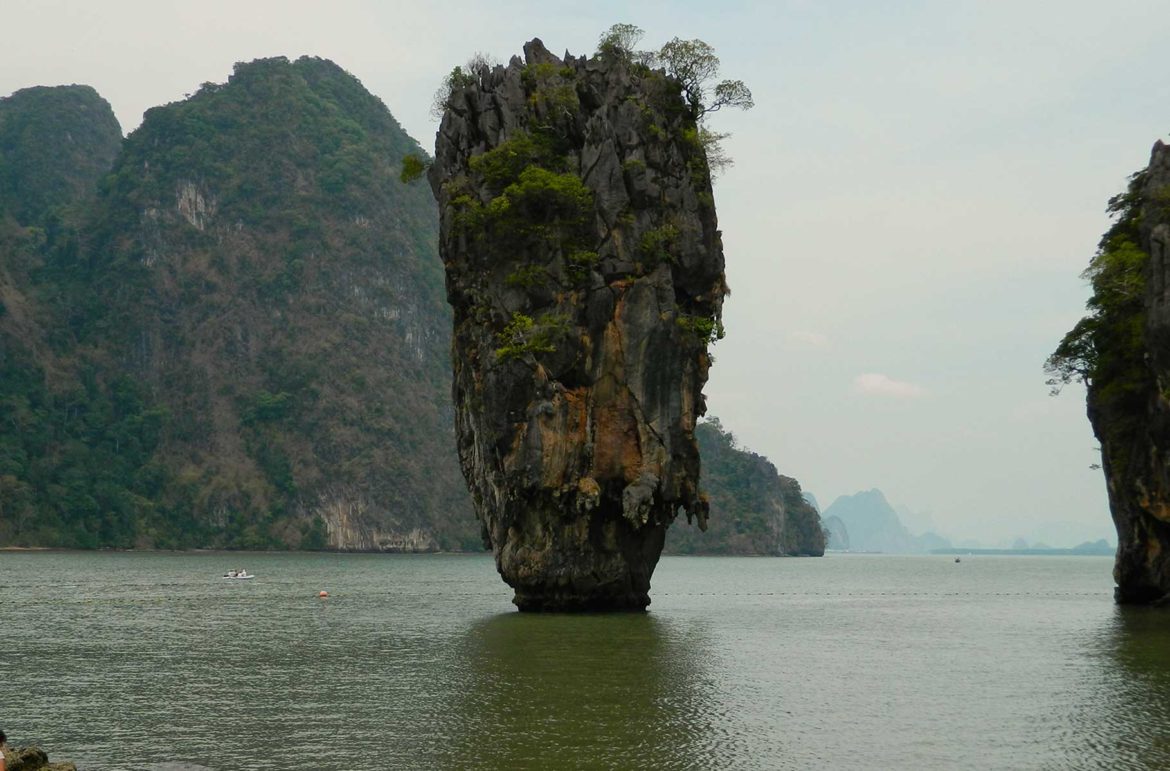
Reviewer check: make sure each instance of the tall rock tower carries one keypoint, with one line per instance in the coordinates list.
(1121, 350)
(585, 269)
(1134, 425)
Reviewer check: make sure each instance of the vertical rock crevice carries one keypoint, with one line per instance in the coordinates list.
(585, 269)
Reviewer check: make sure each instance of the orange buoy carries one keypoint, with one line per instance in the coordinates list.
(322, 594)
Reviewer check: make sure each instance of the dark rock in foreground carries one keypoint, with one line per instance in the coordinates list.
(585, 270)
(32, 759)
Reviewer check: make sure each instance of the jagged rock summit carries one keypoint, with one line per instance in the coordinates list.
(585, 269)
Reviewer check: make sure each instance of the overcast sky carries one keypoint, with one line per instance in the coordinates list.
(914, 197)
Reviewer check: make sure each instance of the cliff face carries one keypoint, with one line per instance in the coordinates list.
(251, 337)
(287, 311)
(754, 509)
(585, 269)
(1129, 391)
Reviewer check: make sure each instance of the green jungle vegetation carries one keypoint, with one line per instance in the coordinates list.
(524, 206)
(55, 143)
(74, 446)
(754, 510)
(1106, 349)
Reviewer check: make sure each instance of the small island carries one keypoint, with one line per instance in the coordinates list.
(585, 269)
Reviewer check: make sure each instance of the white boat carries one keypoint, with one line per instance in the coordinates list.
(242, 575)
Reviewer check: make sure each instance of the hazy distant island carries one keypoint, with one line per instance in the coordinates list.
(866, 522)
(1099, 548)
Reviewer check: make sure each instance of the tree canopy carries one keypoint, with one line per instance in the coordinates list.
(1106, 344)
(695, 66)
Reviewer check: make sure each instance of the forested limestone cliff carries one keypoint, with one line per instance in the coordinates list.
(1121, 350)
(58, 424)
(267, 277)
(251, 336)
(754, 509)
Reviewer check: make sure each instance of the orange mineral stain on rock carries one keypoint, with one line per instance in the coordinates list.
(616, 450)
(562, 435)
(1159, 510)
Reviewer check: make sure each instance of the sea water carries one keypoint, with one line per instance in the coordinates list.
(155, 661)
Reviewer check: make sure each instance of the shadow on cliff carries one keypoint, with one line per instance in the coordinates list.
(557, 691)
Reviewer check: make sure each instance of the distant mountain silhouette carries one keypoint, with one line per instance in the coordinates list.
(866, 521)
(837, 535)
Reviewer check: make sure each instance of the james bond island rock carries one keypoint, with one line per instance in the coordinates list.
(1121, 350)
(585, 269)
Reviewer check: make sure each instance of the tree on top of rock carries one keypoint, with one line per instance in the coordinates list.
(695, 66)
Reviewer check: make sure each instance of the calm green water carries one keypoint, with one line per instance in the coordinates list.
(152, 661)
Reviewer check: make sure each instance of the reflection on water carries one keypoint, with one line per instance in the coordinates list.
(1130, 721)
(152, 661)
(560, 691)
(1140, 642)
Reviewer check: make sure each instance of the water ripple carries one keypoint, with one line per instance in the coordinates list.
(152, 661)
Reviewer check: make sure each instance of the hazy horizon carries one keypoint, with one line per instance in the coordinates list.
(914, 198)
